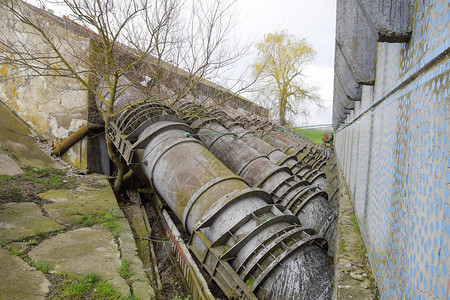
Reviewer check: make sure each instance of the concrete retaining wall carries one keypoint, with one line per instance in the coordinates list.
(395, 158)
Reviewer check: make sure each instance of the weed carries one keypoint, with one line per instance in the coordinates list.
(14, 252)
(181, 298)
(9, 152)
(76, 290)
(39, 232)
(7, 178)
(362, 252)
(342, 246)
(88, 220)
(88, 287)
(41, 266)
(250, 281)
(92, 277)
(47, 176)
(355, 223)
(107, 218)
(226, 248)
(3, 243)
(15, 188)
(105, 290)
(125, 268)
(116, 233)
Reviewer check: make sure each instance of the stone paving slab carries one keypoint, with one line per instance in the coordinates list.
(20, 220)
(82, 251)
(20, 281)
(8, 166)
(66, 205)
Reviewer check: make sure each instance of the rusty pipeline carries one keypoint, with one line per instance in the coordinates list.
(308, 203)
(76, 136)
(249, 246)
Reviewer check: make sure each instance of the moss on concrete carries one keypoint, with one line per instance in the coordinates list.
(15, 136)
(20, 220)
(82, 251)
(84, 200)
(21, 281)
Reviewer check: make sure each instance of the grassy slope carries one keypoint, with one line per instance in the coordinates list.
(314, 135)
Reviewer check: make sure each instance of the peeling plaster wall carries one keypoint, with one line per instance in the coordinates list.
(395, 159)
(53, 106)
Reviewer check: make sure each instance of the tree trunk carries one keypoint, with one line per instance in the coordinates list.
(282, 113)
(118, 181)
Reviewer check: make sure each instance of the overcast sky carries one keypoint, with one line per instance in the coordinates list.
(315, 20)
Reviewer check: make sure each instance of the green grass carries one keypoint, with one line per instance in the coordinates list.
(92, 277)
(40, 266)
(250, 281)
(181, 298)
(108, 219)
(47, 176)
(355, 224)
(7, 178)
(14, 252)
(88, 287)
(105, 290)
(76, 290)
(125, 269)
(314, 135)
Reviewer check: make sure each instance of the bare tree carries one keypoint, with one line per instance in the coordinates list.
(167, 47)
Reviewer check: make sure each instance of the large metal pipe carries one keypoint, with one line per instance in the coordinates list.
(277, 156)
(304, 171)
(308, 203)
(322, 160)
(246, 244)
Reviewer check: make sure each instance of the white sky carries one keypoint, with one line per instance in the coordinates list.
(315, 20)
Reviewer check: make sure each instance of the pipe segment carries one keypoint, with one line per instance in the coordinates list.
(308, 203)
(248, 245)
(305, 172)
(321, 160)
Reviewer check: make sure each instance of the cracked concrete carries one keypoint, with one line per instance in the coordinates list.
(20, 281)
(44, 227)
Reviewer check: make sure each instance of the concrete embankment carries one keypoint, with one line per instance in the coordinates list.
(59, 230)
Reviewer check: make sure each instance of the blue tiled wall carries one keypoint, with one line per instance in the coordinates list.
(395, 159)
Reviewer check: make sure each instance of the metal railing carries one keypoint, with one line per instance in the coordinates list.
(194, 280)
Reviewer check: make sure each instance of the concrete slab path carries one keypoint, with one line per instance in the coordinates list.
(73, 229)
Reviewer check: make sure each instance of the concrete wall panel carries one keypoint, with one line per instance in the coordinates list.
(401, 160)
